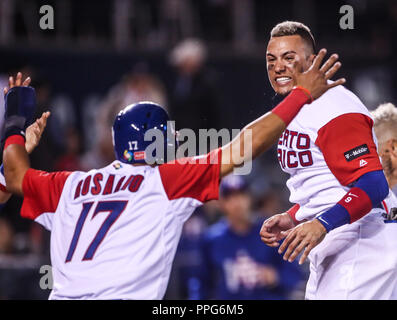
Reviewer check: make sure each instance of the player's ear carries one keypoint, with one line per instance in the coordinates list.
(393, 147)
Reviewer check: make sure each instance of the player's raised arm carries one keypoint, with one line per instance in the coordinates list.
(33, 136)
(266, 130)
(20, 103)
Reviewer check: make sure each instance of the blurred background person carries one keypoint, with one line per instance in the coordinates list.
(385, 126)
(269, 203)
(70, 158)
(235, 264)
(137, 85)
(194, 99)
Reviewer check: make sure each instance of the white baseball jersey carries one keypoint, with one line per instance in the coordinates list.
(357, 261)
(115, 230)
(328, 145)
(390, 202)
(326, 148)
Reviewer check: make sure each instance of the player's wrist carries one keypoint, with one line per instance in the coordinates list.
(291, 213)
(20, 105)
(327, 227)
(305, 91)
(291, 105)
(334, 218)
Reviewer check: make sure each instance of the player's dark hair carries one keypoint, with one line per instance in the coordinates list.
(290, 28)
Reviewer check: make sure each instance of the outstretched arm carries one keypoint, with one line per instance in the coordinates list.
(33, 136)
(16, 149)
(264, 132)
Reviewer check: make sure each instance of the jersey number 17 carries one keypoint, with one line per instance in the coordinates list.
(114, 208)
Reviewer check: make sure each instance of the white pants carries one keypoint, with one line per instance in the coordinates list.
(356, 262)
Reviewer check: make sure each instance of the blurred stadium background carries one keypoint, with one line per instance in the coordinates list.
(203, 60)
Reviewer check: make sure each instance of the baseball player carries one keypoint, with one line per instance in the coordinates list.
(33, 136)
(114, 230)
(385, 126)
(336, 182)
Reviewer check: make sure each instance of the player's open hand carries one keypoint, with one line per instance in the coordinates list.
(274, 229)
(303, 237)
(17, 82)
(315, 78)
(34, 132)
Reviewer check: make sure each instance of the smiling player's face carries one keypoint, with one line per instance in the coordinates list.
(285, 56)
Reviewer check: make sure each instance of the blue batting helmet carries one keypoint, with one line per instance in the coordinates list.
(129, 130)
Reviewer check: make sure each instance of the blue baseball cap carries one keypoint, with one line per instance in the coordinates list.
(232, 184)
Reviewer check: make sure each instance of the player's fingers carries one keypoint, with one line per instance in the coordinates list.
(268, 232)
(319, 58)
(18, 80)
(5, 90)
(37, 133)
(271, 222)
(266, 228)
(331, 72)
(45, 115)
(42, 122)
(11, 82)
(273, 244)
(329, 63)
(336, 83)
(26, 82)
(291, 247)
(302, 245)
(35, 125)
(287, 241)
(270, 242)
(285, 233)
(267, 235)
(306, 253)
(263, 228)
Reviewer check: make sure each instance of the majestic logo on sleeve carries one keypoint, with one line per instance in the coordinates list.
(356, 152)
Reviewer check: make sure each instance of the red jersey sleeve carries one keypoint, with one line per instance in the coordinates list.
(41, 192)
(348, 146)
(198, 178)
